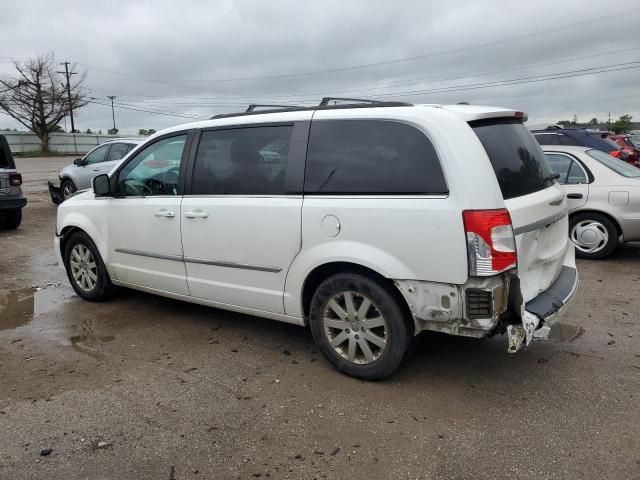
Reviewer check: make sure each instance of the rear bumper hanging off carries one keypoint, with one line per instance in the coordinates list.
(541, 312)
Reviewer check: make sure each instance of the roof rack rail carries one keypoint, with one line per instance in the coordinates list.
(253, 106)
(325, 102)
(324, 105)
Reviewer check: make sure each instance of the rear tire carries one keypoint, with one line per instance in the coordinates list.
(594, 235)
(12, 219)
(85, 269)
(67, 188)
(360, 326)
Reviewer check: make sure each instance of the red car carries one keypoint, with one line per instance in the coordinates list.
(628, 152)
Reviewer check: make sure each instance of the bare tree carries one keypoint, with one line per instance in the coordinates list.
(38, 97)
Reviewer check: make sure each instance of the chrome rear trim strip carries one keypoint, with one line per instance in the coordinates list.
(545, 222)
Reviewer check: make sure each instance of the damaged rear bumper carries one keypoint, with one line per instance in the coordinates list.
(541, 312)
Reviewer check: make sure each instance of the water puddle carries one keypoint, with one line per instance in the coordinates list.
(565, 332)
(18, 307)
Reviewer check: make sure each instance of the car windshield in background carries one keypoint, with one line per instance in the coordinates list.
(618, 166)
(5, 158)
(520, 165)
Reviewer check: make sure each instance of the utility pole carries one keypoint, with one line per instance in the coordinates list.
(67, 74)
(609, 121)
(113, 114)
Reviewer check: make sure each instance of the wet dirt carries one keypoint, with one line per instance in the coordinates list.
(19, 307)
(565, 332)
(203, 393)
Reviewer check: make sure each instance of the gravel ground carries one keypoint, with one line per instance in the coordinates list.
(146, 387)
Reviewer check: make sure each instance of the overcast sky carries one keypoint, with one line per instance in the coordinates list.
(201, 58)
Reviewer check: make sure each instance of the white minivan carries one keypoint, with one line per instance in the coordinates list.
(368, 222)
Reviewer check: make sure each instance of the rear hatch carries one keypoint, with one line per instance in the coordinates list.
(7, 166)
(536, 203)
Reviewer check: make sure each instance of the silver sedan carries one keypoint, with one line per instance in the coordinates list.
(603, 195)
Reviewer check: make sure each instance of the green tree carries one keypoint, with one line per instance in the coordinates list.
(594, 121)
(623, 124)
(57, 129)
(565, 123)
(88, 131)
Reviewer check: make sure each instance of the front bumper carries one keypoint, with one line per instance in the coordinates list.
(56, 249)
(55, 193)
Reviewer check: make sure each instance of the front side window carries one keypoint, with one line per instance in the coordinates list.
(118, 151)
(155, 170)
(97, 156)
(371, 157)
(242, 161)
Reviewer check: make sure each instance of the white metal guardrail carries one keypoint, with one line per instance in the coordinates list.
(71, 143)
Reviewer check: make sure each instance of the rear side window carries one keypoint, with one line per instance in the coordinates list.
(371, 157)
(567, 140)
(242, 161)
(547, 138)
(518, 161)
(117, 151)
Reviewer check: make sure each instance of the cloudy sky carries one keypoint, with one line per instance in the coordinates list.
(194, 59)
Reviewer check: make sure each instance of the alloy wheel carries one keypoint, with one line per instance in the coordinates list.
(355, 327)
(84, 268)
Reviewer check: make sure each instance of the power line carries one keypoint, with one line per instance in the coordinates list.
(170, 114)
(299, 96)
(601, 18)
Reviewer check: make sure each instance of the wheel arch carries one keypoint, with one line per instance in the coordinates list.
(321, 272)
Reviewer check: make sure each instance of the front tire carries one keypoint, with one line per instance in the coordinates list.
(359, 325)
(85, 269)
(12, 219)
(594, 235)
(68, 188)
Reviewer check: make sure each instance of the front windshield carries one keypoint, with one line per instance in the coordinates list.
(618, 166)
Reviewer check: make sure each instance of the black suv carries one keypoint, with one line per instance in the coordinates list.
(11, 198)
(576, 137)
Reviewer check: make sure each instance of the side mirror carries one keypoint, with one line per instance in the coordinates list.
(101, 185)
(79, 162)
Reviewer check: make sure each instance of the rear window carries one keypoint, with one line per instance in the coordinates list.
(518, 161)
(371, 157)
(615, 164)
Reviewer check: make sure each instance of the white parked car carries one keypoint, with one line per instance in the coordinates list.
(99, 160)
(377, 221)
(604, 198)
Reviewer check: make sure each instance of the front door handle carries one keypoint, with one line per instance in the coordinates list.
(196, 214)
(164, 213)
(96, 169)
(575, 196)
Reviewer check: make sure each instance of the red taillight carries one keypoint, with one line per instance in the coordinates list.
(491, 244)
(615, 153)
(15, 179)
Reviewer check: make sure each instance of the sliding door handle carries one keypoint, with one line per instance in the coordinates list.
(196, 214)
(164, 213)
